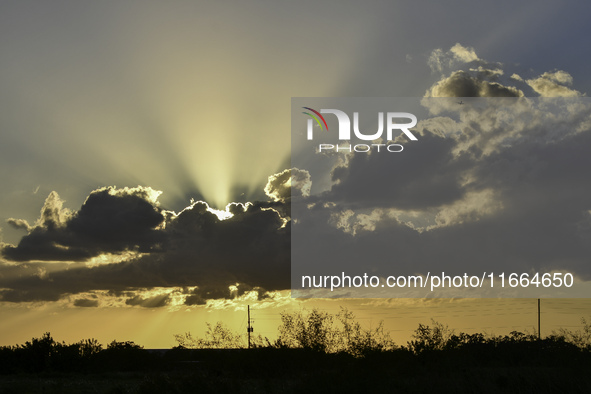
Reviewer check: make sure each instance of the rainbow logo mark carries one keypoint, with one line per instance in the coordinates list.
(316, 117)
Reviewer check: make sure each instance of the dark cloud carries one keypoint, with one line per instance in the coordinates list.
(110, 221)
(200, 295)
(27, 290)
(86, 303)
(251, 247)
(156, 301)
(462, 84)
(193, 248)
(405, 180)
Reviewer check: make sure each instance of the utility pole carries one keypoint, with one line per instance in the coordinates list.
(539, 322)
(249, 329)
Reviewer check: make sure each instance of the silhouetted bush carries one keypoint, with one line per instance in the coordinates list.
(580, 338)
(42, 354)
(216, 337)
(322, 332)
(427, 338)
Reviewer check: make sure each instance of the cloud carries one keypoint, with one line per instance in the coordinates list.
(19, 224)
(110, 221)
(202, 295)
(122, 241)
(86, 303)
(464, 74)
(553, 84)
(418, 173)
(464, 54)
(156, 301)
(293, 182)
(456, 55)
(472, 207)
(352, 223)
(53, 214)
(469, 75)
(250, 247)
(462, 84)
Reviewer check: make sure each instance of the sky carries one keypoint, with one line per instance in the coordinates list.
(126, 129)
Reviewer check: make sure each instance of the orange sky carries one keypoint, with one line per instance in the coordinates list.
(156, 328)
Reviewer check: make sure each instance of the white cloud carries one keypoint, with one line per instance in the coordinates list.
(553, 84)
(288, 183)
(458, 54)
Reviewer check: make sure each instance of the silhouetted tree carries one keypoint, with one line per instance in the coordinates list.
(580, 337)
(357, 341)
(313, 331)
(37, 353)
(427, 338)
(127, 345)
(323, 332)
(216, 337)
(89, 347)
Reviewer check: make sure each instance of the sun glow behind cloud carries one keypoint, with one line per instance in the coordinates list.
(148, 107)
(189, 152)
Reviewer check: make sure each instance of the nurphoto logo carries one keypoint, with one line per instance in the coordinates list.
(344, 130)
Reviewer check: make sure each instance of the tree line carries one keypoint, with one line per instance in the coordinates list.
(320, 331)
(313, 332)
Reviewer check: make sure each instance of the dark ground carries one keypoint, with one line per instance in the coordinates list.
(478, 370)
